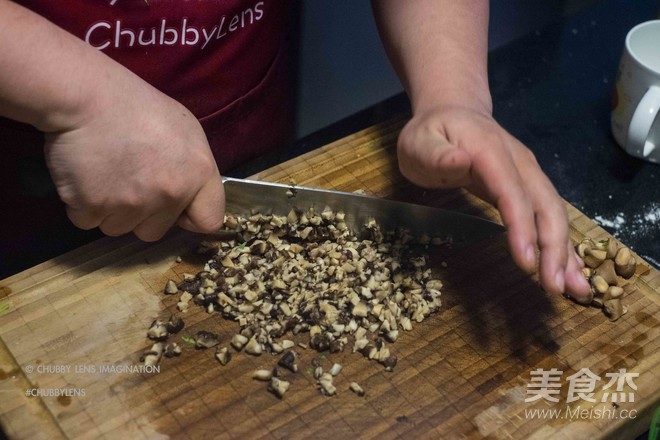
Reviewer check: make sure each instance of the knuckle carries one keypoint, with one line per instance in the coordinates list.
(529, 156)
(414, 132)
(83, 200)
(203, 162)
(207, 166)
(170, 190)
(132, 201)
(69, 199)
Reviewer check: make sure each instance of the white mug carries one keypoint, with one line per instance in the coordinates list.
(635, 121)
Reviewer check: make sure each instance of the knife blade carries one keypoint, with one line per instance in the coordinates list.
(249, 196)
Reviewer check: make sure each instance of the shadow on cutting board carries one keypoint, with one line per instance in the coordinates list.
(495, 304)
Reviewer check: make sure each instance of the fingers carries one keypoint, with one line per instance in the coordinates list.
(153, 228)
(560, 268)
(120, 222)
(206, 212)
(553, 233)
(556, 261)
(503, 186)
(576, 285)
(552, 224)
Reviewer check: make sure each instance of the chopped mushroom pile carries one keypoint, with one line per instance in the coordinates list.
(307, 273)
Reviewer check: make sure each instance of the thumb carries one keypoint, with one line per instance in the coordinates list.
(429, 160)
(206, 212)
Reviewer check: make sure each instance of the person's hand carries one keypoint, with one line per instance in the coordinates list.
(456, 147)
(136, 160)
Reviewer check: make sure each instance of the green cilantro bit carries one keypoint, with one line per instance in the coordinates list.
(604, 242)
(189, 340)
(242, 245)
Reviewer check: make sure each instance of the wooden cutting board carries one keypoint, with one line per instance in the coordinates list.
(463, 373)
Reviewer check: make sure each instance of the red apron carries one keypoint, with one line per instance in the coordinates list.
(225, 60)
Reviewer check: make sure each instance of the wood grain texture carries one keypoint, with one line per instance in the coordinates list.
(463, 373)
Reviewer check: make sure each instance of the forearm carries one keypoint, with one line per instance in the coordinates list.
(439, 50)
(48, 77)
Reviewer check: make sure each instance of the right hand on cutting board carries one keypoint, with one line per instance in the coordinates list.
(136, 160)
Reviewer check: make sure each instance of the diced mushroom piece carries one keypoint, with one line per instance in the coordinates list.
(174, 325)
(599, 285)
(326, 385)
(607, 271)
(624, 263)
(360, 310)
(287, 344)
(204, 339)
(253, 347)
(390, 362)
(263, 375)
(171, 288)
(357, 389)
(153, 355)
(238, 342)
(613, 308)
(157, 331)
(223, 355)
(288, 361)
(172, 350)
(335, 369)
(392, 335)
(278, 386)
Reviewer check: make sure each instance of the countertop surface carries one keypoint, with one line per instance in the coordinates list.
(553, 90)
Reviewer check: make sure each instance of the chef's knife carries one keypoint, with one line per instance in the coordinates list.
(249, 196)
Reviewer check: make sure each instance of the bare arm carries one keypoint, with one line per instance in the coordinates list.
(47, 75)
(439, 49)
(123, 156)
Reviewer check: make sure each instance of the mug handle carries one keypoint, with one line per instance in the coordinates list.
(638, 141)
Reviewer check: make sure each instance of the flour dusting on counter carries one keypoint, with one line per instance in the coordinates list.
(640, 223)
(615, 223)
